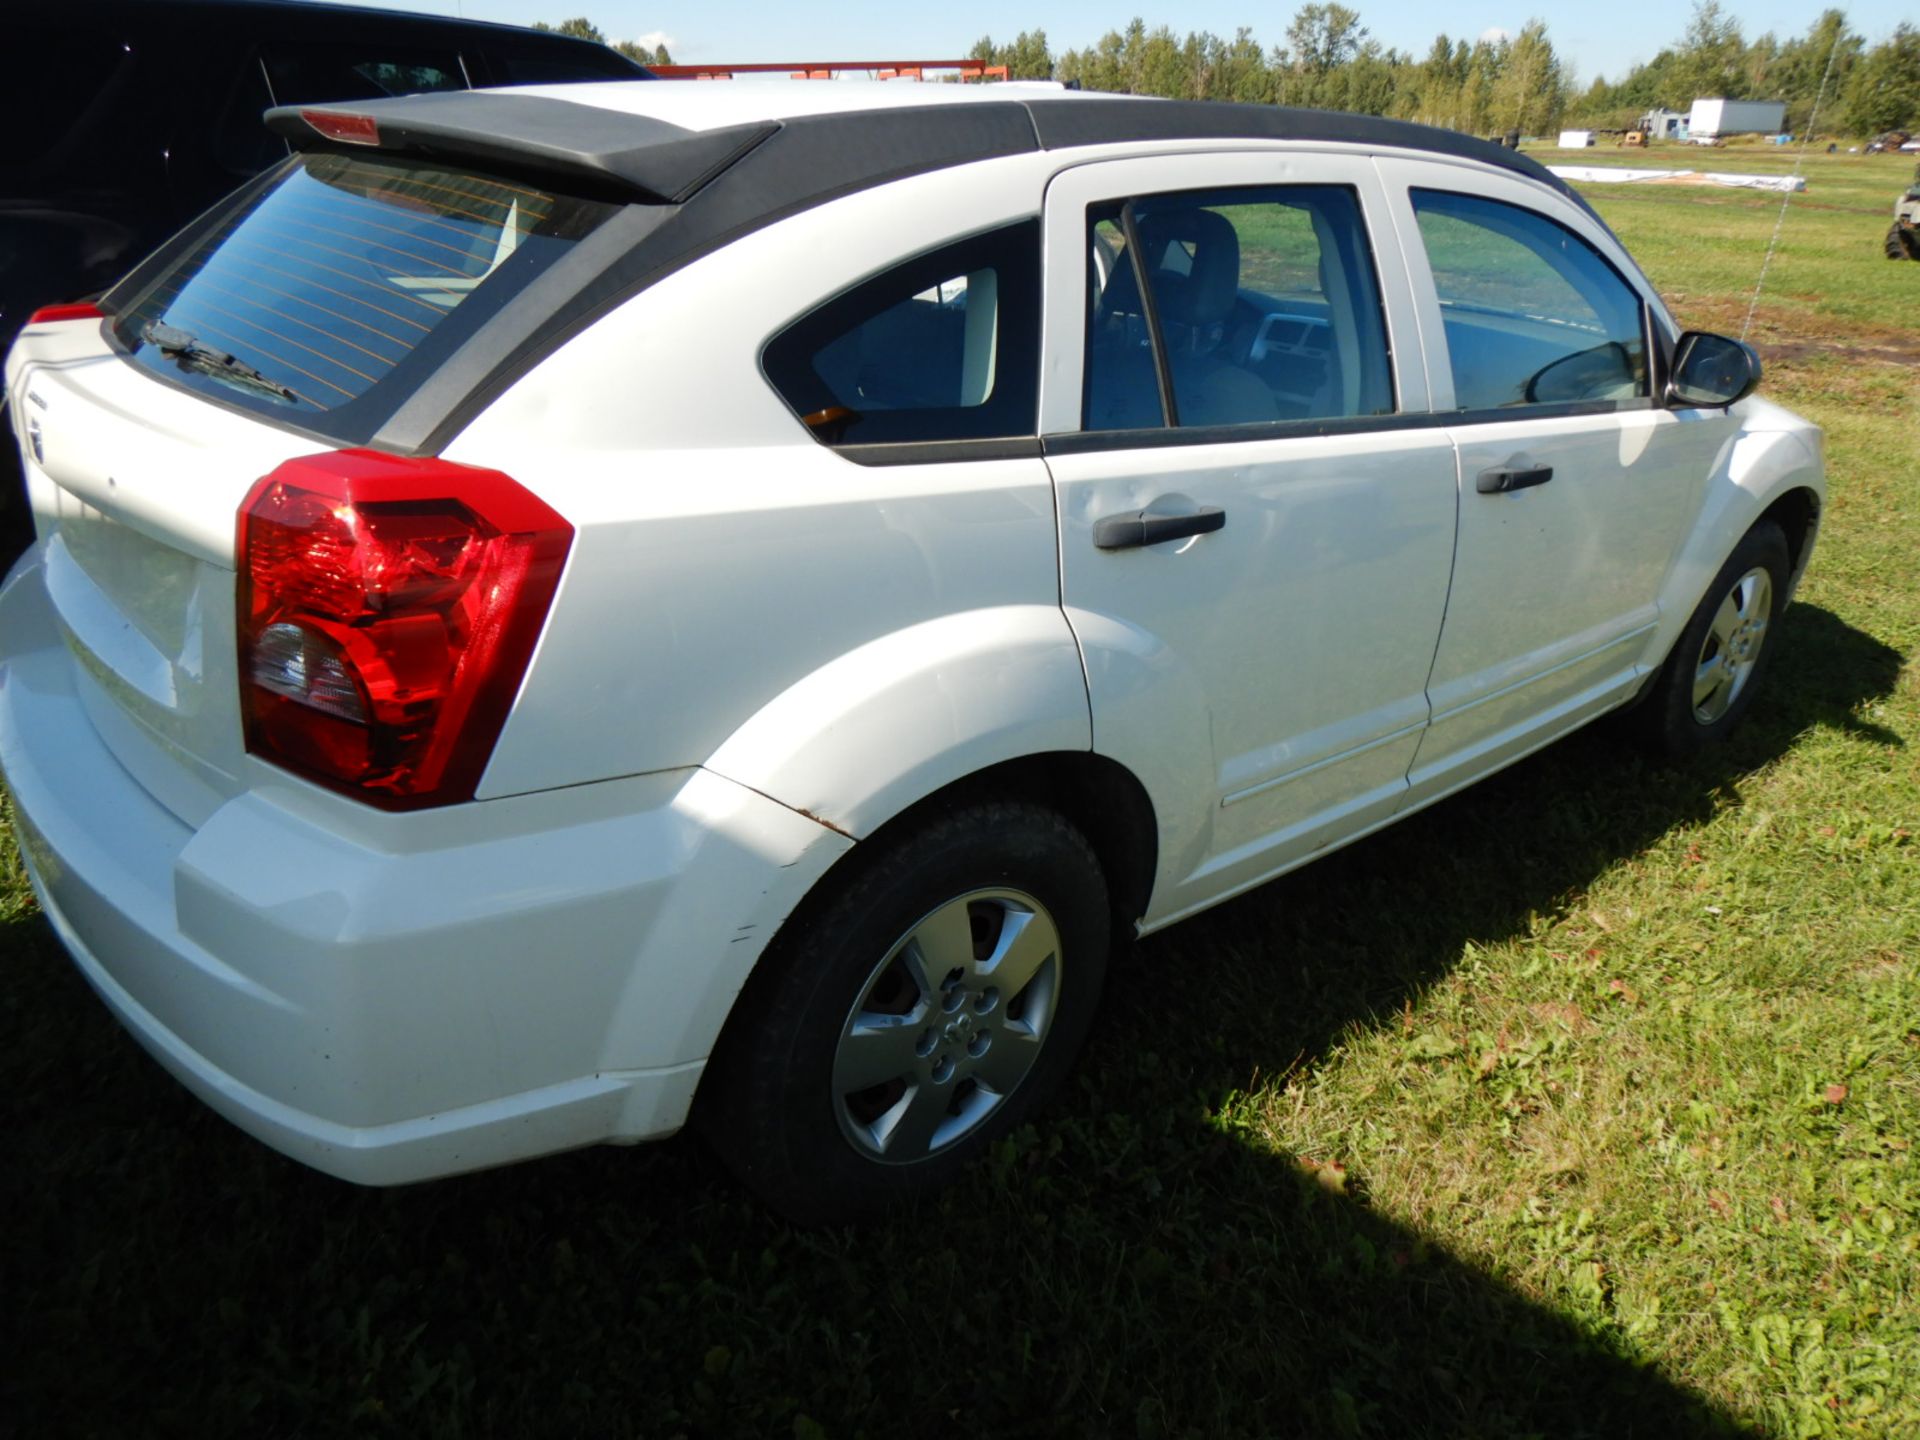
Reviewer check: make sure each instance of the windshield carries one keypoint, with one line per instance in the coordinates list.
(346, 276)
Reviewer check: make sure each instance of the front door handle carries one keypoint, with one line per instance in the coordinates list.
(1502, 478)
(1148, 527)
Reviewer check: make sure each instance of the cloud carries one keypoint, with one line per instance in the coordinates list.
(1494, 34)
(654, 39)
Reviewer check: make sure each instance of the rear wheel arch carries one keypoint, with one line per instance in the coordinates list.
(1098, 796)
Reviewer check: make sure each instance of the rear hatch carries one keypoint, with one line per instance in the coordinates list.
(293, 323)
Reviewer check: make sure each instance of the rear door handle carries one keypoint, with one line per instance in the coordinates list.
(1502, 478)
(1147, 527)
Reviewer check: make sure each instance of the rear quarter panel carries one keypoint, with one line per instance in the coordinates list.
(842, 637)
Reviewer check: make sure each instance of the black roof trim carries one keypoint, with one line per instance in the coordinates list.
(659, 162)
(1065, 123)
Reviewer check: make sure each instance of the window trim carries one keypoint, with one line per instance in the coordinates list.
(1149, 312)
(1086, 442)
(941, 452)
(1653, 361)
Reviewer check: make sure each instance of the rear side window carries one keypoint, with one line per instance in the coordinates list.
(1534, 315)
(348, 275)
(1266, 305)
(944, 347)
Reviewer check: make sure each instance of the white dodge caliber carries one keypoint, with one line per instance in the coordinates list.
(561, 612)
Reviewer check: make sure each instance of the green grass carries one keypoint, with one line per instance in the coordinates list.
(1583, 1104)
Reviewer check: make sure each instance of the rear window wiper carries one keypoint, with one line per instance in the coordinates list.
(172, 340)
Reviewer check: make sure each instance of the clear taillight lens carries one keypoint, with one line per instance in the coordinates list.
(388, 608)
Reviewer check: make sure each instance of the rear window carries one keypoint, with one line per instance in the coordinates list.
(347, 276)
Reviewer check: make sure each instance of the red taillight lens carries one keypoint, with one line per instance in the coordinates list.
(53, 314)
(343, 126)
(388, 608)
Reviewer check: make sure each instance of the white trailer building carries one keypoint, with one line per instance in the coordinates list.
(1658, 124)
(1712, 119)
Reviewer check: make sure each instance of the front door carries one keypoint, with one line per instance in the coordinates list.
(1575, 484)
(1256, 511)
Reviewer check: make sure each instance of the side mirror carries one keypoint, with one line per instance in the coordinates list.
(1711, 370)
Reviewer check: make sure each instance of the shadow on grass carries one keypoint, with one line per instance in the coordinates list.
(1126, 1271)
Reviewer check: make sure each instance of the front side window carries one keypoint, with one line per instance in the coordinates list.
(1533, 314)
(944, 347)
(1264, 308)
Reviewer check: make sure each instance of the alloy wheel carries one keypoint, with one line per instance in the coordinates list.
(947, 1025)
(1732, 645)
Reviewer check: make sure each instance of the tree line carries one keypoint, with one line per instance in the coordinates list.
(1866, 90)
(1329, 60)
(581, 28)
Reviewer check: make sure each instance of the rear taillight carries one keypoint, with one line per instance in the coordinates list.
(388, 608)
(53, 314)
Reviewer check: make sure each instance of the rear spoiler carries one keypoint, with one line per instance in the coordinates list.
(642, 158)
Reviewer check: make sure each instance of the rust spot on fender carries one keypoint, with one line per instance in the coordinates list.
(822, 820)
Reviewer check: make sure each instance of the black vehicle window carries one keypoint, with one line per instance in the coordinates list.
(944, 347)
(346, 275)
(72, 106)
(1533, 314)
(303, 74)
(1267, 304)
(242, 145)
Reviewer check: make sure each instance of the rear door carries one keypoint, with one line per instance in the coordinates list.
(1576, 485)
(1256, 512)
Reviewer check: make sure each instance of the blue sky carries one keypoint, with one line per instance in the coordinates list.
(1599, 38)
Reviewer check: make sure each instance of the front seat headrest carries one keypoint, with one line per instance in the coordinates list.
(1210, 256)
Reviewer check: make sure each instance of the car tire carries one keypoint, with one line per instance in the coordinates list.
(1716, 667)
(1902, 244)
(924, 1004)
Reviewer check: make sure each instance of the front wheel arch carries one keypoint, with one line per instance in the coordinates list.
(1797, 513)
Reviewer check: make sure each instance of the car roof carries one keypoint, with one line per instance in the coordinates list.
(1061, 118)
(892, 128)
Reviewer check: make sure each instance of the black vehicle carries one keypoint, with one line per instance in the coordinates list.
(126, 118)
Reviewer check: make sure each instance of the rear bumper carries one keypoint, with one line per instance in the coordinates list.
(392, 998)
